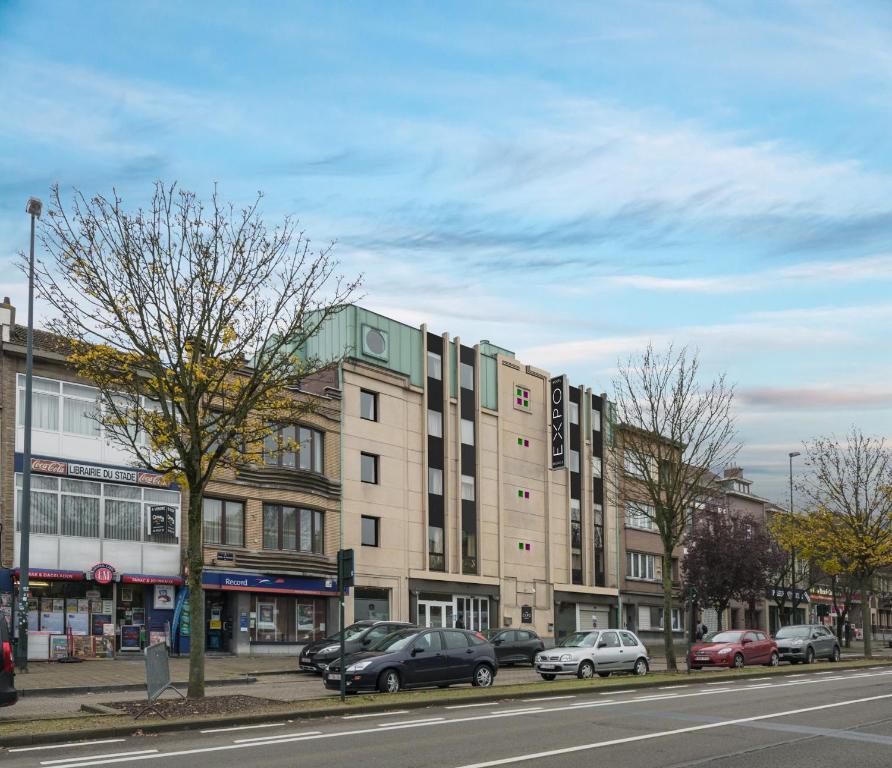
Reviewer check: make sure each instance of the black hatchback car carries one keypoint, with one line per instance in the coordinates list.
(8, 693)
(414, 658)
(515, 646)
(360, 636)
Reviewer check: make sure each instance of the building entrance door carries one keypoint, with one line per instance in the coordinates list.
(472, 612)
(433, 613)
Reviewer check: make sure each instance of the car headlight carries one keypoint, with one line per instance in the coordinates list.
(566, 657)
(330, 649)
(358, 666)
(540, 659)
(725, 651)
(796, 642)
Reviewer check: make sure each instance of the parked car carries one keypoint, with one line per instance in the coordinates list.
(414, 658)
(360, 636)
(734, 649)
(594, 651)
(515, 646)
(8, 693)
(806, 642)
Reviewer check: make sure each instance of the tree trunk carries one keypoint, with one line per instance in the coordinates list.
(667, 610)
(195, 561)
(866, 622)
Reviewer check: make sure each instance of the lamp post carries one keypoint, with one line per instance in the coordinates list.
(794, 581)
(34, 208)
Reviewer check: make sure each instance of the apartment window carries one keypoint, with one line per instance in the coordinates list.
(651, 617)
(370, 531)
(279, 448)
(434, 366)
(369, 468)
(368, 405)
(435, 481)
(467, 488)
(596, 467)
(467, 432)
(639, 515)
(575, 541)
(293, 529)
(574, 412)
(640, 566)
(574, 461)
(467, 376)
(436, 553)
(122, 518)
(434, 423)
(631, 465)
(224, 522)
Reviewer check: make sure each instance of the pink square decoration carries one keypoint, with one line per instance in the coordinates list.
(526, 494)
(528, 547)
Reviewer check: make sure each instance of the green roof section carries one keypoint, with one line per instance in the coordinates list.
(492, 350)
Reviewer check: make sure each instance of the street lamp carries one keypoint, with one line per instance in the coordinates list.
(34, 209)
(791, 456)
(794, 581)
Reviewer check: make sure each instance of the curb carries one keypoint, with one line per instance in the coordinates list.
(25, 693)
(338, 709)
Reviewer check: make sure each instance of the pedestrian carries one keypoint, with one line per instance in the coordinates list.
(459, 624)
(704, 631)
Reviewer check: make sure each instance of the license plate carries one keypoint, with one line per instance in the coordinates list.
(703, 658)
(548, 666)
(334, 677)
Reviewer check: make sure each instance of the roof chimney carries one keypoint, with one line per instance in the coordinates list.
(7, 319)
(735, 472)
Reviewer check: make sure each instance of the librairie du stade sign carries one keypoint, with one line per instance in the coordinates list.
(98, 472)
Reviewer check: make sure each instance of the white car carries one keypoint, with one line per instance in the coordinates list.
(597, 651)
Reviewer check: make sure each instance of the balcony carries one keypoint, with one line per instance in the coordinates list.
(436, 562)
(468, 565)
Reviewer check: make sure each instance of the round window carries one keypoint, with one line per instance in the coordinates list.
(375, 341)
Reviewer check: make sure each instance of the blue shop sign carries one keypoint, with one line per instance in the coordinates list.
(260, 582)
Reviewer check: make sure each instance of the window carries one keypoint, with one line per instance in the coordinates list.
(628, 639)
(370, 531)
(434, 423)
(467, 376)
(282, 619)
(80, 409)
(429, 641)
(123, 513)
(574, 413)
(455, 640)
(368, 405)
(467, 488)
(80, 508)
(633, 461)
(574, 460)
(44, 403)
(434, 366)
(651, 618)
(371, 603)
(640, 566)
(436, 556)
(224, 522)
(639, 515)
(596, 467)
(293, 529)
(609, 640)
(279, 448)
(435, 481)
(467, 432)
(369, 468)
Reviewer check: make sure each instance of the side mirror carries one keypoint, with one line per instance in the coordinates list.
(417, 649)
(497, 641)
(746, 641)
(602, 644)
(815, 635)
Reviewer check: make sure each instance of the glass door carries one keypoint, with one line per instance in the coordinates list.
(433, 613)
(472, 613)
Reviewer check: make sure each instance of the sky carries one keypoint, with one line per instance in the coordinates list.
(568, 180)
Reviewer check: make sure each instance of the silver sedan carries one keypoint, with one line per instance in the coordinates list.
(597, 651)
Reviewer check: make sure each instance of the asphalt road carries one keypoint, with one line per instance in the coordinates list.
(829, 718)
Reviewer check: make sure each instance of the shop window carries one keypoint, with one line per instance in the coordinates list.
(281, 619)
(370, 531)
(368, 405)
(371, 603)
(369, 468)
(295, 446)
(293, 529)
(153, 497)
(44, 504)
(224, 522)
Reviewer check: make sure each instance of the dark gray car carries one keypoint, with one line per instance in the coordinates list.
(360, 636)
(805, 643)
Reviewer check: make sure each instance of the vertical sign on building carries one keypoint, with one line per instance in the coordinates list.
(558, 428)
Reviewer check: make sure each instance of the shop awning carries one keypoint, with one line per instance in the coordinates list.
(261, 582)
(51, 574)
(142, 578)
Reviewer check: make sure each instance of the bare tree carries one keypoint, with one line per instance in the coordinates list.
(847, 484)
(186, 318)
(674, 430)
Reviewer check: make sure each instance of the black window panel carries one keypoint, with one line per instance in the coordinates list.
(435, 344)
(468, 405)
(575, 485)
(435, 452)
(598, 490)
(435, 394)
(468, 459)
(598, 445)
(469, 516)
(466, 355)
(597, 403)
(574, 394)
(435, 510)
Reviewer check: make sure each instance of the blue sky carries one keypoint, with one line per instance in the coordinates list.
(569, 180)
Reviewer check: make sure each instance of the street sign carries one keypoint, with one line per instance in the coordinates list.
(345, 567)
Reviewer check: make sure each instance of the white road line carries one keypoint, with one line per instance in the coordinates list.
(617, 693)
(412, 722)
(64, 746)
(656, 697)
(467, 706)
(760, 678)
(798, 674)
(754, 687)
(525, 710)
(260, 739)
(241, 728)
(591, 703)
(79, 760)
(824, 673)
(723, 682)
(876, 667)
(663, 734)
(376, 714)
(550, 698)
(673, 687)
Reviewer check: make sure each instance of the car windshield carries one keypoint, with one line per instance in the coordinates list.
(725, 637)
(792, 632)
(350, 632)
(579, 640)
(396, 641)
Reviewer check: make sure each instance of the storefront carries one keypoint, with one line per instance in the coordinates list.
(264, 614)
(644, 615)
(371, 603)
(474, 607)
(574, 612)
(784, 615)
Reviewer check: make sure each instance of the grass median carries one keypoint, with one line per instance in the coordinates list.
(47, 729)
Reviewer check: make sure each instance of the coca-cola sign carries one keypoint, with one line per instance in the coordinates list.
(49, 467)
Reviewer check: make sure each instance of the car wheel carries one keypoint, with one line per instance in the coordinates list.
(738, 661)
(482, 676)
(389, 682)
(810, 655)
(548, 677)
(603, 674)
(640, 667)
(586, 671)
(696, 668)
(774, 660)
(835, 655)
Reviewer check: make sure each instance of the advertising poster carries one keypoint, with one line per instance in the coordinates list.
(51, 621)
(126, 595)
(165, 595)
(58, 646)
(99, 620)
(304, 617)
(59, 604)
(83, 606)
(46, 604)
(33, 621)
(186, 620)
(92, 594)
(106, 606)
(71, 605)
(79, 623)
(130, 637)
(266, 617)
(137, 616)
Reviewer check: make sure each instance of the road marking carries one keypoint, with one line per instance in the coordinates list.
(824, 673)
(673, 687)
(656, 697)
(412, 722)
(724, 682)
(260, 739)
(551, 698)
(591, 703)
(876, 667)
(664, 734)
(520, 711)
(79, 760)
(754, 687)
(617, 693)
(69, 744)
(376, 714)
(466, 706)
(760, 678)
(241, 728)
(798, 674)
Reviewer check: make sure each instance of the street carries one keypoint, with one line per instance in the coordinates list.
(809, 719)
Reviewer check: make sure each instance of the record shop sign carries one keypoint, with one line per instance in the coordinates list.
(558, 429)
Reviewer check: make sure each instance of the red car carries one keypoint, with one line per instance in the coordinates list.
(735, 648)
